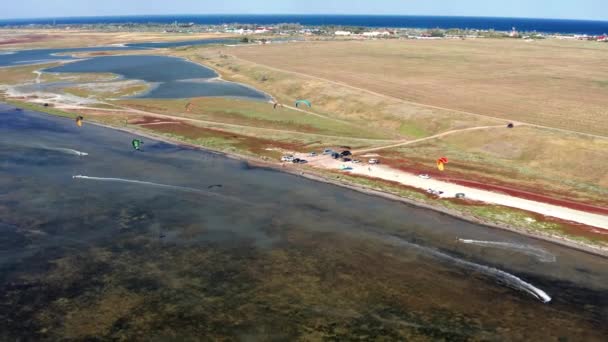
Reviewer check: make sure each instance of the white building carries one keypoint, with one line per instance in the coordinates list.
(261, 30)
(376, 34)
(342, 33)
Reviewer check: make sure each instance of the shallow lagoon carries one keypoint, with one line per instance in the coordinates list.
(36, 56)
(172, 77)
(265, 256)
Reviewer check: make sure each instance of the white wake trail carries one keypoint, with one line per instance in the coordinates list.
(68, 151)
(541, 254)
(158, 185)
(57, 149)
(504, 277)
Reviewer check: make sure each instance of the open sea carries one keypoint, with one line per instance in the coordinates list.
(409, 21)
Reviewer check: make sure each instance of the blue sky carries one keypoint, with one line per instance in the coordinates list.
(574, 9)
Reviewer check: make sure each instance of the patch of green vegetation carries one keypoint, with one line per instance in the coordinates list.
(526, 221)
(77, 77)
(378, 185)
(76, 91)
(40, 108)
(413, 131)
(252, 113)
(21, 74)
(603, 83)
(209, 141)
(102, 106)
(89, 90)
(132, 90)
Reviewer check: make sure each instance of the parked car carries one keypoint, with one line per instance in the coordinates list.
(346, 153)
(335, 155)
(346, 160)
(328, 151)
(312, 154)
(287, 158)
(374, 161)
(424, 176)
(356, 161)
(434, 192)
(299, 161)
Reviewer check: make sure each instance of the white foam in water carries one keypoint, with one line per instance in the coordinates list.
(122, 180)
(63, 150)
(166, 186)
(32, 61)
(541, 254)
(506, 278)
(70, 151)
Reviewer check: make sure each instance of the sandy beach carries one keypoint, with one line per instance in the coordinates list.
(449, 190)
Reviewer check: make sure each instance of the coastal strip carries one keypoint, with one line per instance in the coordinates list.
(594, 250)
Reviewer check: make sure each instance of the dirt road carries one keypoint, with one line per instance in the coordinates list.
(450, 190)
(379, 148)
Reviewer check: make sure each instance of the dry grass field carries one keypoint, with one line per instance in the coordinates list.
(389, 116)
(57, 38)
(561, 84)
(552, 163)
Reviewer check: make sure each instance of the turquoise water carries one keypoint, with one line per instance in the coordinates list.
(99, 241)
(411, 21)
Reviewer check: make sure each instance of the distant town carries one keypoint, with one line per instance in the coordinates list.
(295, 29)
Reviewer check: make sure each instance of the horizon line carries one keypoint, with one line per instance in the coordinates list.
(294, 14)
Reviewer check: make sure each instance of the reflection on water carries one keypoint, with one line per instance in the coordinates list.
(122, 251)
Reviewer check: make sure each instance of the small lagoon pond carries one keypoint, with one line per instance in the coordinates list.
(36, 56)
(172, 77)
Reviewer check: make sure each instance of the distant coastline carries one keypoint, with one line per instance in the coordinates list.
(565, 26)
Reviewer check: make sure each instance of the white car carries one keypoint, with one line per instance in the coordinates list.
(287, 158)
(374, 161)
(424, 176)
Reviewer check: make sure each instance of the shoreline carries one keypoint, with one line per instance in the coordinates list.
(311, 175)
